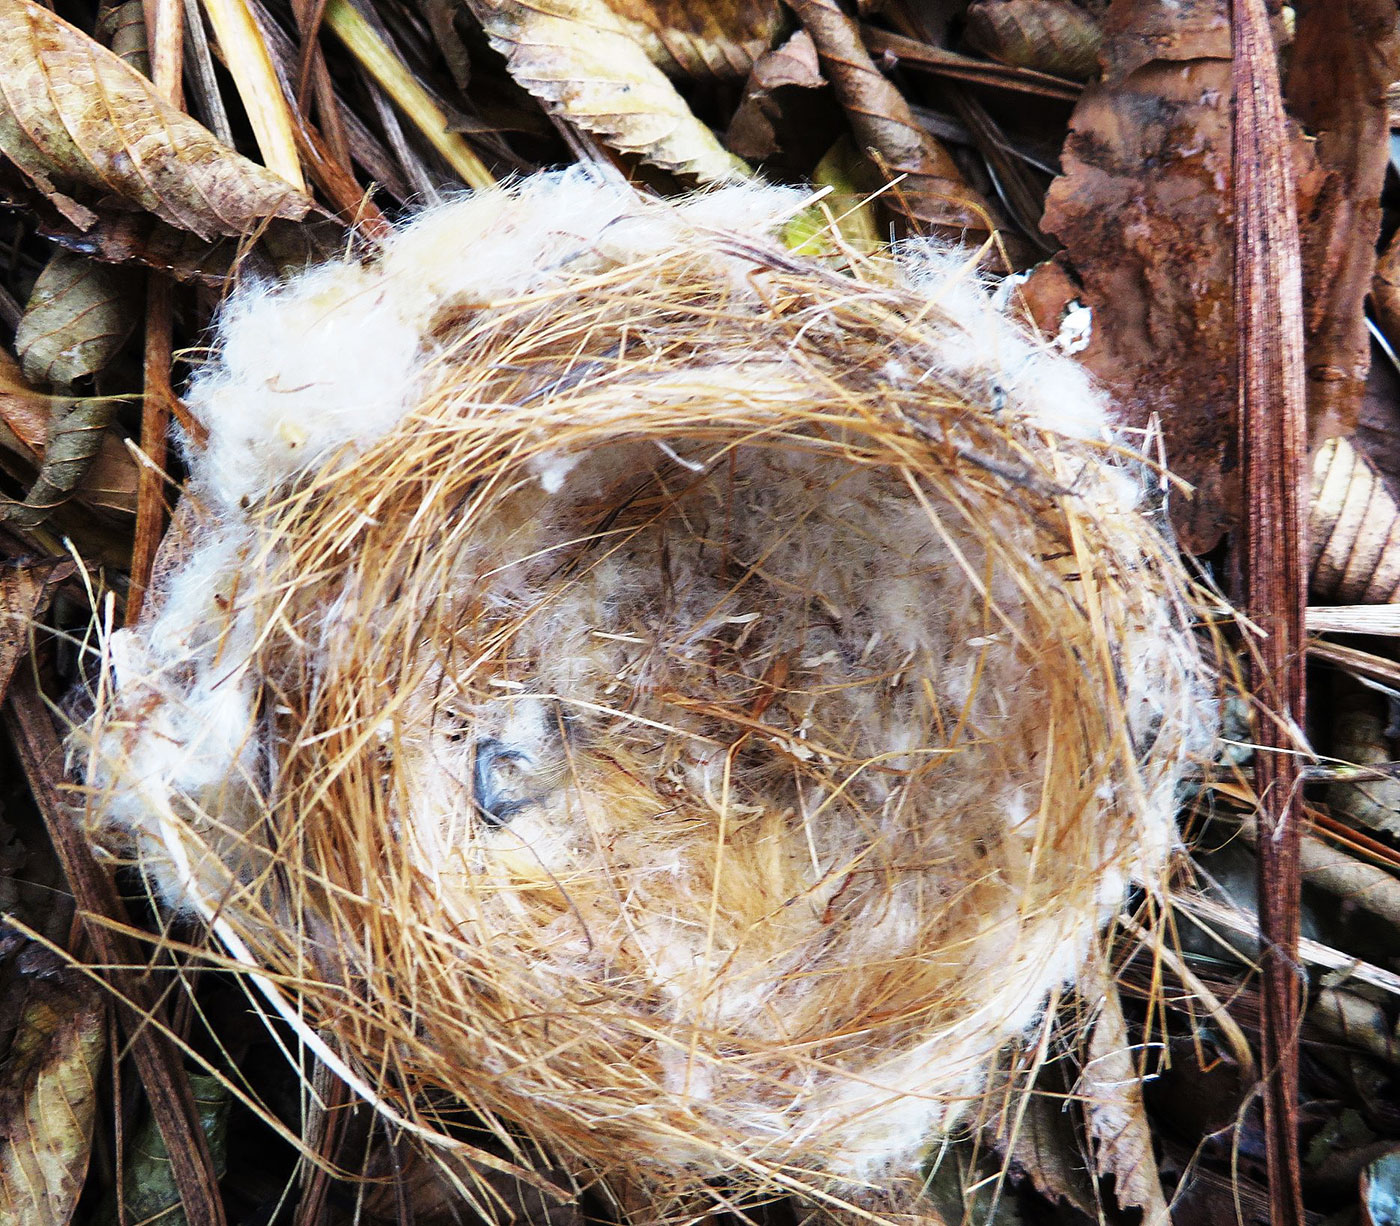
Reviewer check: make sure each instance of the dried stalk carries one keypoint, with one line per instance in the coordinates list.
(1269, 331)
(155, 425)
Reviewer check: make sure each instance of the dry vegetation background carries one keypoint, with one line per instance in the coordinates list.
(157, 151)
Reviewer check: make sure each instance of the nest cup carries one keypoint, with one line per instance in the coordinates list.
(684, 704)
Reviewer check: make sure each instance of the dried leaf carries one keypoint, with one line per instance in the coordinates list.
(700, 39)
(1112, 1088)
(1048, 35)
(118, 236)
(1359, 737)
(24, 592)
(149, 1180)
(48, 1101)
(79, 315)
(122, 27)
(1353, 529)
(25, 413)
(753, 131)
(932, 195)
(1144, 213)
(1041, 1146)
(794, 63)
(577, 58)
(79, 122)
(1345, 53)
(76, 431)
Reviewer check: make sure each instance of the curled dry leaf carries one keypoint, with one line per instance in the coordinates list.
(119, 236)
(48, 1100)
(79, 315)
(1359, 737)
(1143, 211)
(1353, 529)
(931, 195)
(1344, 56)
(1040, 1143)
(753, 131)
(1048, 35)
(577, 58)
(25, 416)
(82, 125)
(700, 39)
(122, 27)
(77, 429)
(1111, 1086)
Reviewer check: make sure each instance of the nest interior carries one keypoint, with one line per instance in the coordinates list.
(687, 704)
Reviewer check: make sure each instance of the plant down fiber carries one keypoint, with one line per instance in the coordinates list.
(689, 705)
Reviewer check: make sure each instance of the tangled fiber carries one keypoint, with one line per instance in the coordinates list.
(688, 705)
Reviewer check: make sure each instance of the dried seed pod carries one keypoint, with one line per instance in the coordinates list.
(689, 705)
(1048, 35)
(1353, 529)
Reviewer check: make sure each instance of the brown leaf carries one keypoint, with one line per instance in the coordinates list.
(48, 1101)
(1041, 1144)
(794, 63)
(1144, 213)
(79, 315)
(118, 236)
(1344, 56)
(76, 431)
(24, 593)
(81, 123)
(701, 39)
(577, 58)
(1048, 35)
(931, 195)
(25, 413)
(753, 131)
(1112, 1088)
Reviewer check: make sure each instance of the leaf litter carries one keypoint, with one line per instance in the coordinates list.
(1117, 118)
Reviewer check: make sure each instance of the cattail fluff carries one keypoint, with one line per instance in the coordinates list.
(687, 704)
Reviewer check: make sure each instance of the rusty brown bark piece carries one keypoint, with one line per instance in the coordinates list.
(1143, 210)
(158, 1063)
(932, 196)
(1268, 296)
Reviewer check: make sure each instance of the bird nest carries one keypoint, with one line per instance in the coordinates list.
(685, 704)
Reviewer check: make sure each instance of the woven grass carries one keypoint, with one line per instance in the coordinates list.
(695, 735)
